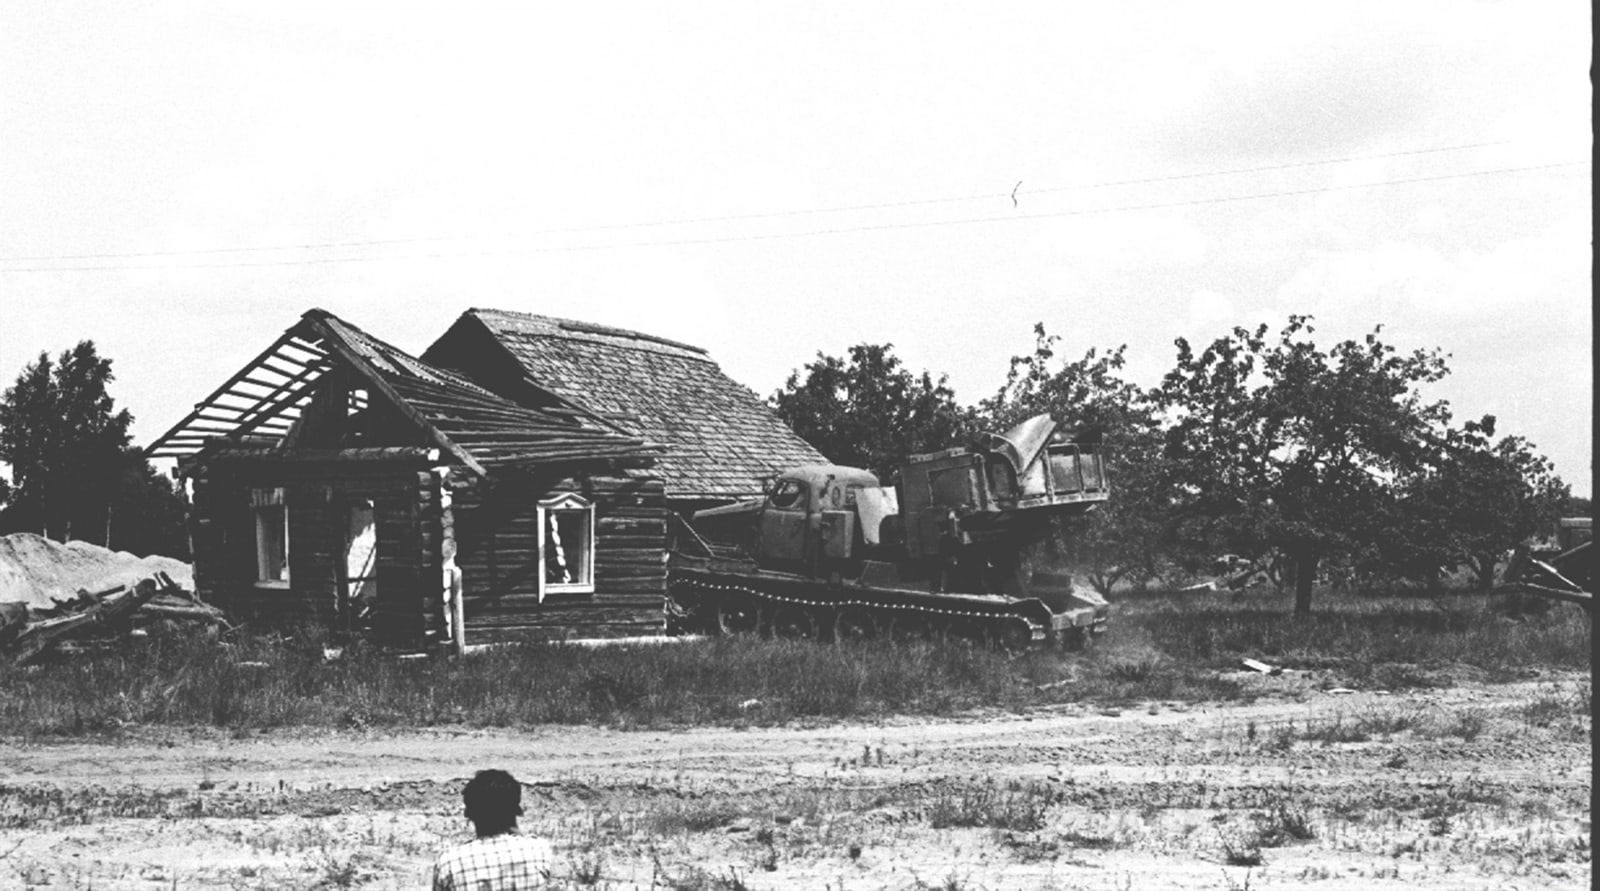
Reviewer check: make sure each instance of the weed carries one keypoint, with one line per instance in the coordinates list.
(952, 882)
(693, 878)
(1281, 825)
(984, 806)
(1238, 851)
(1338, 730)
(695, 817)
(1467, 725)
(1235, 886)
(1030, 848)
(587, 869)
(1092, 842)
(341, 872)
(1387, 723)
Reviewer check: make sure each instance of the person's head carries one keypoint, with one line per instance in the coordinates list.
(494, 801)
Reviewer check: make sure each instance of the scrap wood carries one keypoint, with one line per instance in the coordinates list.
(167, 611)
(38, 637)
(27, 632)
(1262, 667)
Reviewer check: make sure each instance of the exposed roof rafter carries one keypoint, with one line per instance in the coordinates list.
(261, 406)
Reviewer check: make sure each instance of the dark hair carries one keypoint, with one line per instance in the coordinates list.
(493, 799)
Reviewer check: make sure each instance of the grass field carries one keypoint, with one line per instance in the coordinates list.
(1169, 647)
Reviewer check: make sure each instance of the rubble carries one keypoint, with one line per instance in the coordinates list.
(68, 596)
(28, 634)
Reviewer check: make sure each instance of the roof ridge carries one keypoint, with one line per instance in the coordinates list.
(581, 327)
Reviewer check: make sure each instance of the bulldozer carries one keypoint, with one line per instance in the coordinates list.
(1564, 572)
(831, 553)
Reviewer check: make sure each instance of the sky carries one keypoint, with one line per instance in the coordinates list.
(179, 182)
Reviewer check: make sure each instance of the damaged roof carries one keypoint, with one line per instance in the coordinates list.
(721, 439)
(263, 403)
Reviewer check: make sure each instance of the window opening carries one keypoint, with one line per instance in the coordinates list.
(361, 562)
(788, 494)
(272, 537)
(566, 546)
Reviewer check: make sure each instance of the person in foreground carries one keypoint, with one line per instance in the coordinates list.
(499, 859)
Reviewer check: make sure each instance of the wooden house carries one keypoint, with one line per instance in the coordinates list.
(721, 441)
(337, 480)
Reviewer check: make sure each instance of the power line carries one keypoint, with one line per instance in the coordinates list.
(815, 232)
(688, 221)
(1270, 167)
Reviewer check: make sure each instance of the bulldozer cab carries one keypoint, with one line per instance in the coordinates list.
(809, 513)
(783, 520)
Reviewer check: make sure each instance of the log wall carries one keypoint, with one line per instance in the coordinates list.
(496, 536)
(406, 512)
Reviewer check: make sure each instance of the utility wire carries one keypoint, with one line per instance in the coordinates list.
(688, 221)
(815, 232)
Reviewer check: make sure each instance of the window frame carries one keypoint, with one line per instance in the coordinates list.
(569, 503)
(269, 507)
(801, 501)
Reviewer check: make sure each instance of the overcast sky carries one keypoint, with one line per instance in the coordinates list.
(178, 182)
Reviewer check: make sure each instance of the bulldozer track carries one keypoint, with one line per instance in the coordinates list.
(997, 616)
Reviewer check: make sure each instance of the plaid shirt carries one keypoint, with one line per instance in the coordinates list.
(508, 862)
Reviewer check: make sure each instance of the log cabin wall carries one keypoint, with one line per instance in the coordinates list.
(317, 499)
(496, 531)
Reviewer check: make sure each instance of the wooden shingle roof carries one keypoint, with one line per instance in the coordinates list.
(721, 440)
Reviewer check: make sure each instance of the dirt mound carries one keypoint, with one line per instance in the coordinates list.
(33, 569)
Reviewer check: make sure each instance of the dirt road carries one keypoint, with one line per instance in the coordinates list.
(1470, 787)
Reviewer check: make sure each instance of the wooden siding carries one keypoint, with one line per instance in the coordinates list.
(496, 534)
(408, 611)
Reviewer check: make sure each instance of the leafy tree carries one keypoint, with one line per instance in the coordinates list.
(73, 474)
(1577, 506)
(1124, 538)
(63, 438)
(147, 511)
(869, 411)
(1483, 499)
(1279, 444)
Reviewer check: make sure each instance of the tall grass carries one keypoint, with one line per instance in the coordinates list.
(1179, 647)
(260, 682)
(1358, 633)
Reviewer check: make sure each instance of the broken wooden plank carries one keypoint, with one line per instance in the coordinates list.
(165, 611)
(1264, 668)
(38, 637)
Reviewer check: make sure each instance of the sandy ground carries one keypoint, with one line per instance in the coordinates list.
(1453, 788)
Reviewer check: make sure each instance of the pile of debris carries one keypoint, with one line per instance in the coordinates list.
(76, 595)
(27, 634)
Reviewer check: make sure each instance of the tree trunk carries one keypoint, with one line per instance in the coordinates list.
(1305, 574)
(1484, 565)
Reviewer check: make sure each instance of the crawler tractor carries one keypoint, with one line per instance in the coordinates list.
(831, 553)
(1564, 572)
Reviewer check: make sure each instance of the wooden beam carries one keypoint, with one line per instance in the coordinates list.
(226, 385)
(337, 345)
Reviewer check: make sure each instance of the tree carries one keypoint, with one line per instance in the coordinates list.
(63, 437)
(869, 411)
(1482, 499)
(1281, 445)
(147, 512)
(1124, 539)
(73, 474)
